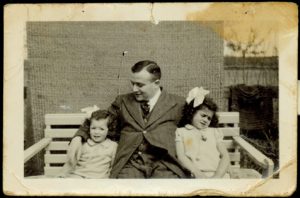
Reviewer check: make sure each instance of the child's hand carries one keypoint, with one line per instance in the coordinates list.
(74, 150)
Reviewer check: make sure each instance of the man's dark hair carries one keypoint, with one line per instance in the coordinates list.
(189, 111)
(150, 66)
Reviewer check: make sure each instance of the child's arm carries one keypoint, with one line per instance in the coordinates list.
(224, 161)
(75, 145)
(113, 155)
(74, 150)
(70, 164)
(186, 161)
(66, 169)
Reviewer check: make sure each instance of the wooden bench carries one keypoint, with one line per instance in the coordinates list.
(60, 128)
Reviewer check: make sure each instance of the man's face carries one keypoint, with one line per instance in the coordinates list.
(143, 85)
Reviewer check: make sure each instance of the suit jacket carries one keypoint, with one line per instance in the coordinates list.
(159, 131)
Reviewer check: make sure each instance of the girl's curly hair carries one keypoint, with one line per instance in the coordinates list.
(189, 111)
(103, 114)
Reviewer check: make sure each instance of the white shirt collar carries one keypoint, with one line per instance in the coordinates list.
(154, 99)
(189, 127)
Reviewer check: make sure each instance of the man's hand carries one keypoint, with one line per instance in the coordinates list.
(74, 150)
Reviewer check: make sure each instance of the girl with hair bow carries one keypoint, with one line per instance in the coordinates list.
(199, 145)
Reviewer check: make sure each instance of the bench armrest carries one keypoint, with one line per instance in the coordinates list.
(258, 157)
(37, 147)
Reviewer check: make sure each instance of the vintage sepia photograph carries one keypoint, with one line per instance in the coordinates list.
(174, 96)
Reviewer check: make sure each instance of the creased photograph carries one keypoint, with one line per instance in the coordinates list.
(161, 99)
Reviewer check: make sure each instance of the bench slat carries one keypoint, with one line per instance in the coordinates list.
(34, 149)
(52, 171)
(228, 117)
(58, 146)
(62, 158)
(65, 119)
(230, 131)
(55, 158)
(235, 157)
(255, 154)
(60, 133)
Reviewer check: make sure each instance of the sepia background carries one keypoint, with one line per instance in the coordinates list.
(72, 65)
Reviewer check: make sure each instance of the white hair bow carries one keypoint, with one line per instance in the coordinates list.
(198, 94)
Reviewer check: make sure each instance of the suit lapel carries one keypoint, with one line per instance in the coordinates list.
(163, 104)
(134, 109)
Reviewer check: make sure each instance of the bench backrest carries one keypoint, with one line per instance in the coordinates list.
(62, 127)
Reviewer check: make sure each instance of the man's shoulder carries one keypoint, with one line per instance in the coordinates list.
(123, 96)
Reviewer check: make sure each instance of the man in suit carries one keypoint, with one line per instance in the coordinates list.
(147, 119)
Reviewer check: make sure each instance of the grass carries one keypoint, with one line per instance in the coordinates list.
(267, 142)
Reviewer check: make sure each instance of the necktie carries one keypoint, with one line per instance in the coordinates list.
(145, 109)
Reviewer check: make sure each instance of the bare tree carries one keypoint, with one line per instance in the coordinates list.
(253, 47)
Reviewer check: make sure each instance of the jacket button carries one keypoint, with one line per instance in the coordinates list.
(140, 153)
(144, 132)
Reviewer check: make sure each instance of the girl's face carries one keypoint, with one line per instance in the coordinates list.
(202, 118)
(98, 130)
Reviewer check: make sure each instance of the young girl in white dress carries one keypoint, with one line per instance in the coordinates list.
(199, 146)
(97, 153)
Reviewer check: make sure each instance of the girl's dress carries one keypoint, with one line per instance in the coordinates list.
(200, 146)
(96, 160)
